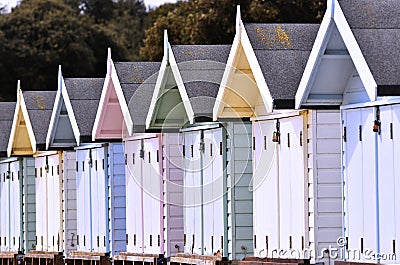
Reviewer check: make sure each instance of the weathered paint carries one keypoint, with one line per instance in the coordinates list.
(154, 194)
(18, 209)
(300, 178)
(216, 183)
(100, 213)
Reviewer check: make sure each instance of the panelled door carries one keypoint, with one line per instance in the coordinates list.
(152, 181)
(15, 206)
(99, 191)
(388, 180)
(291, 184)
(134, 196)
(265, 189)
(41, 203)
(54, 202)
(48, 207)
(360, 182)
(214, 191)
(4, 207)
(192, 193)
(84, 215)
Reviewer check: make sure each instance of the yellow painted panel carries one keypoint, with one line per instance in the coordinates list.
(21, 142)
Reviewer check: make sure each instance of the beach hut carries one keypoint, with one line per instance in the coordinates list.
(8, 249)
(216, 201)
(114, 122)
(27, 138)
(153, 175)
(354, 64)
(296, 153)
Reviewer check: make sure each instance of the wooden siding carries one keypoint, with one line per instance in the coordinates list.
(69, 202)
(324, 176)
(29, 203)
(239, 195)
(118, 197)
(172, 158)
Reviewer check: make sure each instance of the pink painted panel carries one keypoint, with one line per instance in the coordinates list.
(111, 123)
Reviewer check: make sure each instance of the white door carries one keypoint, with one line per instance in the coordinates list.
(359, 172)
(208, 188)
(134, 196)
(396, 170)
(192, 193)
(41, 203)
(15, 207)
(265, 189)
(100, 174)
(218, 187)
(155, 194)
(54, 214)
(83, 200)
(387, 183)
(4, 206)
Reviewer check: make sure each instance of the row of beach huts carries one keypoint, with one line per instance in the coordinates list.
(282, 147)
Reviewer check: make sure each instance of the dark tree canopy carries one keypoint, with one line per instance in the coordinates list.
(39, 35)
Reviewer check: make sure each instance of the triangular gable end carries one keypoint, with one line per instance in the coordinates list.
(336, 72)
(170, 107)
(63, 129)
(22, 139)
(243, 91)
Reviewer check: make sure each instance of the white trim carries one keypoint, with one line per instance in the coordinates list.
(161, 80)
(8, 160)
(241, 37)
(219, 105)
(139, 136)
(202, 126)
(112, 77)
(381, 101)
(21, 105)
(53, 123)
(334, 14)
(355, 52)
(280, 115)
(61, 94)
(70, 112)
(314, 59)
(46, 153)
(91, 146)
(181, 85)
(256, 69)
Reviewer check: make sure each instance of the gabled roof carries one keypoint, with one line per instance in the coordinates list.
(268, 61)
(84, 96)
(6, 120)
(189, 76)
(376, 27)
(370, 31)
(31, 120)
(201, 68)
(122, 79)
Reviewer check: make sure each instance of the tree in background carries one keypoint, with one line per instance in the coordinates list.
(38, 35)
(213, 21)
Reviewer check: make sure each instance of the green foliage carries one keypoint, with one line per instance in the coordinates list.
(213, 21)
(38, 35)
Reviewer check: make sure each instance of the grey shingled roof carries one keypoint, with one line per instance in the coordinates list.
(282, 51)
(84, 94)
(376, 27)
(132, 74)
(7, 110)
(201, 68)
(39, 105)
(138, 80)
